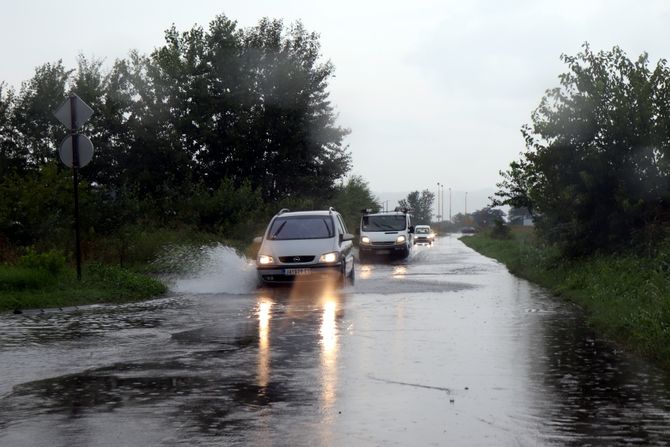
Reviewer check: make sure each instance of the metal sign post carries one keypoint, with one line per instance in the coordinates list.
(73, 113)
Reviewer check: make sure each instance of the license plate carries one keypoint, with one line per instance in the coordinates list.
(297, 272)
(383, 252)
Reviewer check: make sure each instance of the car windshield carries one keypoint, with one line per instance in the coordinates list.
(394, 222)
(301, 227)
(422, 231)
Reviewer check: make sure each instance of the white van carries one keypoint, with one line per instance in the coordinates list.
(387, 234)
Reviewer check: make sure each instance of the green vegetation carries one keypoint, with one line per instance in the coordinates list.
(25, 287)
(626, 296)
(595, 173)
(421, 204)
(199, 142)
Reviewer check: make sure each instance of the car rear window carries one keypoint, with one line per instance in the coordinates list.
(301, 227)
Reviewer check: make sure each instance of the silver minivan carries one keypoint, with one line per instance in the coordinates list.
(306, 246)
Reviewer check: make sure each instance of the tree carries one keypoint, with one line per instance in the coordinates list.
(351, 197)
(421, 205)
(487, 216)
(596, 171)
(204, 131)
(10, 160)
(249, 105)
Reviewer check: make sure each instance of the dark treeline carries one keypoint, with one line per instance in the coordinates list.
(215, 129)
(596, 170)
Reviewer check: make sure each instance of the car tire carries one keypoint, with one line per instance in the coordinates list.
(342, 277)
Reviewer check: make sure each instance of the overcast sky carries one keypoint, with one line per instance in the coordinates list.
(433, 91)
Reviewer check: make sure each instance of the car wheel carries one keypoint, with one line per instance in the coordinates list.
(342, 277)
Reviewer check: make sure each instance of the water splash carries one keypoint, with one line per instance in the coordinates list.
(209, 269)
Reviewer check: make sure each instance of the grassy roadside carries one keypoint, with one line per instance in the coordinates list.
(626, 297)
(119, 272)
(29, 288)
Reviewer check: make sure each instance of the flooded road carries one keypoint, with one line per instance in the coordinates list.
(444, 349)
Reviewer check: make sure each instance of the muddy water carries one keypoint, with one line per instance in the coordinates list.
(444, 349)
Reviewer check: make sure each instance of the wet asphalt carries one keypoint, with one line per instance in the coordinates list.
(445, 348)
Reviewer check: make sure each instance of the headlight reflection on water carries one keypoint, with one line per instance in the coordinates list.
(264, 315)
(329, 346)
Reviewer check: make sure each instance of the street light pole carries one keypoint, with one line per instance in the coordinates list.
(466, 205)
(442, 201)
(437, 216)
(449, 204)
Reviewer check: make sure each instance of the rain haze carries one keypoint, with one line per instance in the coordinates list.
(434, 91)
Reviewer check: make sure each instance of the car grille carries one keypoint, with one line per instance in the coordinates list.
(387, 243)
(295, 259)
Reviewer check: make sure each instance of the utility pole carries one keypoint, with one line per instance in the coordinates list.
(438, 202)
(449, 204)
(442, 201)
(466, 206)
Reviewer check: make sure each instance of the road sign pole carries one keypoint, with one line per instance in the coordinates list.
(75, 177)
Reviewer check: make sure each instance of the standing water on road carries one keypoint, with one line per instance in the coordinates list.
(445, 348)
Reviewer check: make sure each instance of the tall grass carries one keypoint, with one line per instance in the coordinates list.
(626, 296)
(26, 288)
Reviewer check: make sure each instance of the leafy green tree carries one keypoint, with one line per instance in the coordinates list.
(9, 157)
(250, 105)
(487, 216)
(351, 197)
(421, 204)
(37, 132)
(595, 173)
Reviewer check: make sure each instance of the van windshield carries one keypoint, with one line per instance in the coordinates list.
(393, 222)
(301, 227)
(422, 230)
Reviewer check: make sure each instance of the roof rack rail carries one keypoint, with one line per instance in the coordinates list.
(283, 210)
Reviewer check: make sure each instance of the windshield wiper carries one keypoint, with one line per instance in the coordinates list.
(276, 233)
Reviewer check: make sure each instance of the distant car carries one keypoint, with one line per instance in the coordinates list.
(310, 245)
(423, 235)
(468, 230)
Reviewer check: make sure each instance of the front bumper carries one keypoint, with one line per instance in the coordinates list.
(382, 250)
(286, 273)
(422, 240)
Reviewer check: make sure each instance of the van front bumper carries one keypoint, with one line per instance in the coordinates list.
(382, 250)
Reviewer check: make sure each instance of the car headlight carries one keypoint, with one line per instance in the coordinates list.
(329, 257)
(400, 239)
(365, 240)
(265, 259)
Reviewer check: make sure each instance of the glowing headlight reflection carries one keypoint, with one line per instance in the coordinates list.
(329, 339)
(365, 240)
(264, 315)
(399, 271)
(328, 329)
(400, 239)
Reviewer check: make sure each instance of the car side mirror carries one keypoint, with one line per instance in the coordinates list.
(346, 237)
(411, 228)
(258, 239)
